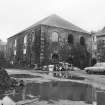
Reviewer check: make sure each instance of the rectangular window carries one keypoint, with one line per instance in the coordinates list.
(15, 43)
(25, 40)
(24, 51)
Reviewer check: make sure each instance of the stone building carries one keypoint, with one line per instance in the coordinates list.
(49, 40)
(2, 46)
(98, 45)
(2, 53)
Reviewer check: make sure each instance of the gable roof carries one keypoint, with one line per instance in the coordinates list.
(56, 21)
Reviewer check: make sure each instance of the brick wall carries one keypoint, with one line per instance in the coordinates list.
(41, 48)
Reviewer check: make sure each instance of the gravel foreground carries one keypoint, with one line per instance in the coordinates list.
(97, 81)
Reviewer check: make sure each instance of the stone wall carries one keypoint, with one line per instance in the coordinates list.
(62, 47)
(33, 47)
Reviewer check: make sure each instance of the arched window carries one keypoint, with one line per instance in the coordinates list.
(25, 39)
(70, 39)
(54, 37)
(33, 36)
(82, 40)
(25, 44)
(15, 43)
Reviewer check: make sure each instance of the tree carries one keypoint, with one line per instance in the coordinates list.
(2, 59)
(75, 54)
(80, 56)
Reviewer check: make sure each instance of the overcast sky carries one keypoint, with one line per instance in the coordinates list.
(16, 15)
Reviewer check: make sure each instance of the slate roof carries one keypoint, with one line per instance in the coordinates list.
(56, 21)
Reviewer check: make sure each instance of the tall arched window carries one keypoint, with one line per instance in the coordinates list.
(25, 44)
(25, 39)
(33, 36)
(15, 43)
(54, 37)
(70, 39)
(82, 40)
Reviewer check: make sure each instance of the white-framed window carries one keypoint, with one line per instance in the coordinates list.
(54, 37)
(14, 52)
(95, 39)
(25, 40)
(24, 51)
(15, 43)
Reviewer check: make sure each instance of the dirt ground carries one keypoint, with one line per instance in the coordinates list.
(97, 81)
(61, 102)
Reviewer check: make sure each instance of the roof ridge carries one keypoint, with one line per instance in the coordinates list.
(56, 21)
(59, 20)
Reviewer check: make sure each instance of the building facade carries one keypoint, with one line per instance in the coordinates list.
(98, 45)
(2, 53)
(49, 40)
(2, 46)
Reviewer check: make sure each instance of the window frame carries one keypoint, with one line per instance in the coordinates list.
(71, 41)
(82, 41)
(56, 39)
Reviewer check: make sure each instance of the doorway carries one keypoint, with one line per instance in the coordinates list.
(55, 58)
